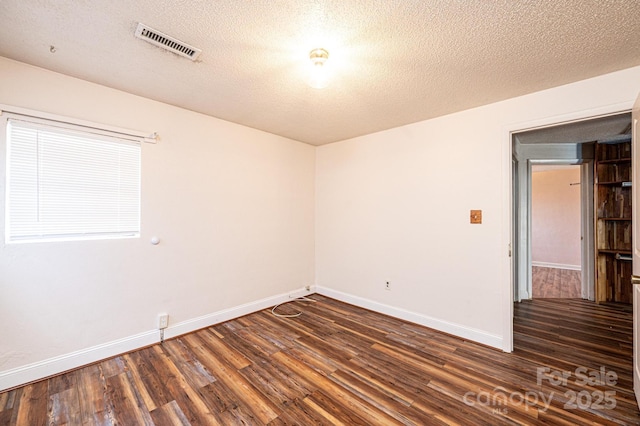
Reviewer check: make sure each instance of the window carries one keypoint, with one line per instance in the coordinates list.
(67, 182)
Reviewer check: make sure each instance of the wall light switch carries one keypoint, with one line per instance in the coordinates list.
(476, 216)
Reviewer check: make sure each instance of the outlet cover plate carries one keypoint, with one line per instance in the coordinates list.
(476, 216)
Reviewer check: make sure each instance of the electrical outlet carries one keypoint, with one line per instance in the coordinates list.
(307, 287)
(387, 286)
(163, 321)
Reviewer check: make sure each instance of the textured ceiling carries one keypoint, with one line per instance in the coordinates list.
(393, 62)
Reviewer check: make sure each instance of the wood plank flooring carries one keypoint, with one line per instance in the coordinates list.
(337, 364)
(555, 283)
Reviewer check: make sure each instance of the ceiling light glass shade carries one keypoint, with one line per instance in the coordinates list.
(318, 74)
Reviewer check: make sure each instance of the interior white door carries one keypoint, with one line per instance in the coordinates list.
(635, 144)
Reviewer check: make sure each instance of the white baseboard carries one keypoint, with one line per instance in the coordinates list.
(557, 266)
(208, 320)
(56, 365)
(427, 321)
(636, 389)
(49, 367)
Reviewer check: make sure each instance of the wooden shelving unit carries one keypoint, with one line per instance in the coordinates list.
(613, 189)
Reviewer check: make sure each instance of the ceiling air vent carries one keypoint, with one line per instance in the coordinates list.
(167, 42)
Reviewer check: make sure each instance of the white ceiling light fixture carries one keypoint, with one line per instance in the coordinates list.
(319, 76)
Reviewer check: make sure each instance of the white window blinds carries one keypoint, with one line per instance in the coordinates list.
(64, 183)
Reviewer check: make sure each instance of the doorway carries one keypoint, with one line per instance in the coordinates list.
(560, 145)
(556, 257)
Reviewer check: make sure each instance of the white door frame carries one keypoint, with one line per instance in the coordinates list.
(587, 220)
(523, 278)
(635, 278)
(508, 131)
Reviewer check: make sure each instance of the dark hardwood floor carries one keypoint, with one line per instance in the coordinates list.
(339, 364)
(555, 283)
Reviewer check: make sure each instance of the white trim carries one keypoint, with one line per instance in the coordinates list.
(572, 117)
(636, 341)
(149, 137)
(506, 293)
(227, 314)
(416, 318)
(507, 225)
(59, 364)
(587, 249)
(556, 266)
(49, 367)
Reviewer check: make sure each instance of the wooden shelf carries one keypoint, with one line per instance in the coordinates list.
(615, 161)
(615, 183)
(613, 226)
(608, 251)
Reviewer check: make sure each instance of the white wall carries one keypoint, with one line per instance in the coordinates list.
(233, 207)
(555, 217)
(394, 206)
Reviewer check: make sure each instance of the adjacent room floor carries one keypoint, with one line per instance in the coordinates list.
(555, 283)
(339, 364)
